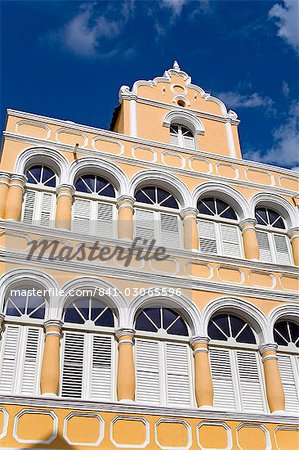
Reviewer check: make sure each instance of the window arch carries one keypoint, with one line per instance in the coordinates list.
(163, 358)
(235, 364)
(218, 228)
(286, 335)
(94, 207)
(274, 245)
(182, 136)
(88, 350)
(157, 216)
(22, 341)
(39, 200)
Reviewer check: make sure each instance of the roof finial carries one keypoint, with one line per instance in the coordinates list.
(176, 66)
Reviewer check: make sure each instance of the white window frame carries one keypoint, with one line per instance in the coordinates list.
(233, 348)
(218, 222)
(163, 338)
(180, 136)
(271, 231)
(39, 189)
(89, 332)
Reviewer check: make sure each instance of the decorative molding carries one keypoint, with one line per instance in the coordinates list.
(259, 426)
(217, 424)
(184, 117)
(284, 428)
(34, 124)
(86, 415)
(131, 418)
(4, 422)
(178, 421)
(35, 411)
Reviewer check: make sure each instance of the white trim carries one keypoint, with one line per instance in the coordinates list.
(283, 428)
(131, 418)
(36, 411)
(133, 118)
(84, 414)
(230, 139)
(182, 422)
(278, 203)
(185, 118)
(257, 425)
(5, 422)
(217, 424)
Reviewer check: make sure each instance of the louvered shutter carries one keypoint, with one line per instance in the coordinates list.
(47, 204)
(174, 139)
(72, 371)
(170, 236)
(188, 141)
(145, 224)
(147, 371)
(104, 223)
(29, 206)
(282, 249)
(178, 374)
(264, 246)
(224, 396)
(289, 380)
(82, 216)
(101, 370)
(9, 352)
(207, 236)
(230, 240)
(33, 339)
(250, 384)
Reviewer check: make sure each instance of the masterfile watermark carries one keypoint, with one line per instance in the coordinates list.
(140, 249)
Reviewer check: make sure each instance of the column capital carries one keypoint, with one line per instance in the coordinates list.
(199, 340)
(53, 323)
(120, 332)
(293, 232)
(189, 212)
(269, 347)
(18, 180)
(4, 177)
(2, 317)
(122, 199)
(69, 188)
(248, 222)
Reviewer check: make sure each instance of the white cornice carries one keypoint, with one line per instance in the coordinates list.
(151, 278)
(194, 256)
(152, 165)
(134, 408)
(107, 133)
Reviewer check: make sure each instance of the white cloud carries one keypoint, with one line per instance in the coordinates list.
(236, 99)
(285, 89)
(175, 5)
(285, 150)
(287, 19)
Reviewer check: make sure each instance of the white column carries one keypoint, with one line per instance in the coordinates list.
(133, 117)
(230, 139)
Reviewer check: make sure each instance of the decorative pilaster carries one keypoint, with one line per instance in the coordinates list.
(251, 246)
(274, 388)
(191, 238)
(294, 237)
(4, 186)
(50, 372)
(126, 383)
(203, 379)
(125, 205)
(14, 200)
(63, 218)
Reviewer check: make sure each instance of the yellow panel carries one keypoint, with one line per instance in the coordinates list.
(129, 432)
(289, 183)
(172, 434)
(252, 438)
(227, 170)
(212, 436)
(144, 154)
(29, 129)
(83, 429)
(287, 439)
(107, 146)
(167, 266)
(198, 270)
(70, 138)
(35, 427)
(257, 176)
(230, 274)
(172, 159)
(260, 279)
(290, 283)
(200, 165)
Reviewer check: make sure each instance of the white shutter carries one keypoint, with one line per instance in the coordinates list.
(188, 141)
(178, 372)
(145, 224)
(104, 223)
(101, 370)
(230, 240)
(147, 371)
(170, 236)
(29, 206)
(224, 396)
(207, 236)
(72, 371)
(264, 246)
(174, 139)
(82, 216)
(282, 249)
(250, 384)
(47, 204)
(30, 381)
(9, 358)
(289, 380)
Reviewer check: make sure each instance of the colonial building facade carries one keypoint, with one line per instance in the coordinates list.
(196, 351)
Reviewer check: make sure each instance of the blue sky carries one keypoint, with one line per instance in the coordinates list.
(68, 59)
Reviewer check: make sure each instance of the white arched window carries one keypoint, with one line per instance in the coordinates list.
(88, 350)
(286, 335)
(274, 244)
(235, 365)
(181, 135)
(163, 358)
(157, 216)
(94, 209)
(218, 228)
(22, 342)
(39, 200)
